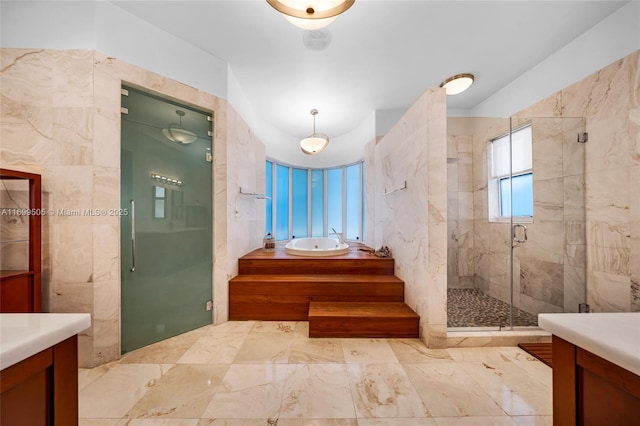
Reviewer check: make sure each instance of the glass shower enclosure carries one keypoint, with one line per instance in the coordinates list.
(516, 220)
(166, 235)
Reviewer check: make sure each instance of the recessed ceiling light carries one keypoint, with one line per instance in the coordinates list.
(457, 83)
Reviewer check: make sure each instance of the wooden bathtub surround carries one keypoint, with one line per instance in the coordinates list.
(352, 295)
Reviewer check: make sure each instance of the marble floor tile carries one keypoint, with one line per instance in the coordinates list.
(533, 420)
(114, 393)
(285, 327)
(511, 387)
(366, 351)
(316, 351)
(384, 390)
(397, 422)
(447, 390)
(317, 391)
(213, 349)
(485, 354)
(533, 367)
(261, 373)
(317, 422)
(265, 347)
(102, 422)
(163, 422)
(475, 421)
(249, 391)
(414, 350)
(86, 376)
(183, 392)
(164, 352)
(230, 328)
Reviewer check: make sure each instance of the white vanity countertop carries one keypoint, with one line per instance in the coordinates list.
(612, 336)
(23, 335)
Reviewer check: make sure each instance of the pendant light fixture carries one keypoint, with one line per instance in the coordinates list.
(457, 83)
(316, 142)
(311, 14)
(177, 133)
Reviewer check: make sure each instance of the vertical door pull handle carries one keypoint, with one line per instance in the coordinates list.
(133, 236)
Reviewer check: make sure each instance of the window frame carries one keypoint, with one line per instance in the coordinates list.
(326, 232)
(493, 181)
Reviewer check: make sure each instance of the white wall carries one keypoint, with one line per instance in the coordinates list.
(613, 38)
(108, 29)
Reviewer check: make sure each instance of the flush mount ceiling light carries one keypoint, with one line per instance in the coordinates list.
(315, 143)
(458, 83)
(177, 133)
(311, 14)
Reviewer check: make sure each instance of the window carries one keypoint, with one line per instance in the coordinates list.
(282, 203)
(299, 203)
(334, 200)
(310, 202)
(353, 199)
(511, 182)
(269, 200)
(317, 203)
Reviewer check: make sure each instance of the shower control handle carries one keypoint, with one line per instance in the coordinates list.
(133, 236)
(516, 239)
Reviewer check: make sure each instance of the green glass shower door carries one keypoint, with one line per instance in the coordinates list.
(166, 237)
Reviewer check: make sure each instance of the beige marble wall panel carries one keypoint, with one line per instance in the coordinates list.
(608, 292)
(574, 197)
(542, 280)
(547, 158)
(575, 289)
(635, 238)
(546, 242)
(608, 195)
(548, 199)
(60, 117)
(370, 192)
(573, 153)
(412, 222)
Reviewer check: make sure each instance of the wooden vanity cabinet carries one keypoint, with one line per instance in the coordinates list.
(20, 242)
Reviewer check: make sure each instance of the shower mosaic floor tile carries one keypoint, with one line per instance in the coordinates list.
(271, 374)
(468, 307)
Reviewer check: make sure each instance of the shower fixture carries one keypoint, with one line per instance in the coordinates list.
(316, 142)
(311, 14)
(177, 133)
(457, 83)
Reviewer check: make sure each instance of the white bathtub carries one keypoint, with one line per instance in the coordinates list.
(316, 247)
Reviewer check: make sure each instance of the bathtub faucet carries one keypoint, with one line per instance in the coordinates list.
(337, 234)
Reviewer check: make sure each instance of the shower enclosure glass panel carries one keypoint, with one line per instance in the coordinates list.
(166, 240)
(504, 268)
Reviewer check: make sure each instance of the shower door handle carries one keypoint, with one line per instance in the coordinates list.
(516, 239)
(133, 236)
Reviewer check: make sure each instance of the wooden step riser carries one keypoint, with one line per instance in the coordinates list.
(268, 312)
(310, 289)
(366, 327)
(316, 266)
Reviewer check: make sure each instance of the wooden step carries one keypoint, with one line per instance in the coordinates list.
(309, 265)
(279, 262)
(362, 319)
(287, 297)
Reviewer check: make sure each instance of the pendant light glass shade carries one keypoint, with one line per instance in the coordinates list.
(457, 83)
(315, 143)
(177, 133)
(311, 14)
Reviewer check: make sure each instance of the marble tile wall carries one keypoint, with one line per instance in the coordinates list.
(412, 221)
(60, 117)
(586, 199)
(609, 101)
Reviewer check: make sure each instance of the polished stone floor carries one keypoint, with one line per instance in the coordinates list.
(270, 373)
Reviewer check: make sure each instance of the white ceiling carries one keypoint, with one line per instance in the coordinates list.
(383, 54)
